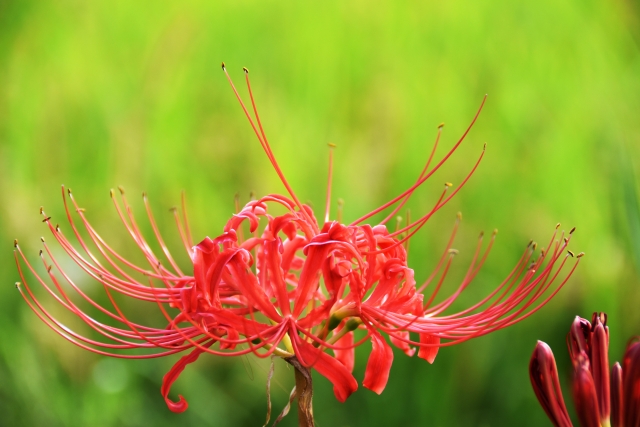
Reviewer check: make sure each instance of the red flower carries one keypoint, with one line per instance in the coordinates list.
(600, 400)
(293, 286)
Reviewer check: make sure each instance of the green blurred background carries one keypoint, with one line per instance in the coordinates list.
(99, 94)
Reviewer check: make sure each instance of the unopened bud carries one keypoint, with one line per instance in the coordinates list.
(353, 323)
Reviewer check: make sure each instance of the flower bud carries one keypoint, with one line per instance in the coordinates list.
(631, 385)
(544, 379)
(616, 395)
(600, 363)
(584, 394)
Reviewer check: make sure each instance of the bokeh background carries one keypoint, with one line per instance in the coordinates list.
(99, 94)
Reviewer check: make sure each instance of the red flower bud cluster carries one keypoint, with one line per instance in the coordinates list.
(602, 398)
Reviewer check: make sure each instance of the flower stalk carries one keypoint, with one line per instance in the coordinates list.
(304, 392)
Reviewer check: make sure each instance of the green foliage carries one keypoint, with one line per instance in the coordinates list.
(100, 94)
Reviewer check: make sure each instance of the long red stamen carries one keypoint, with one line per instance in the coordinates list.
(263, 141)
(424, 170)
(330, 176)
(425, 177)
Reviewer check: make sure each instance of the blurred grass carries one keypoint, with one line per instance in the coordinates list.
(100, 94)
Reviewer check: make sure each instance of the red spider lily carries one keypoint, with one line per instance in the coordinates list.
(601, 400)
(292, 287)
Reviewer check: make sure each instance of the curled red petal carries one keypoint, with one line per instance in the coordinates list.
(379, 364)
(308, 280)
(428, 353)
(343, 382)
(346, 356)
(170, 377)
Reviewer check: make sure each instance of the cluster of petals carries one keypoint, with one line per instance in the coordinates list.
(285, 284)
(602, 397)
